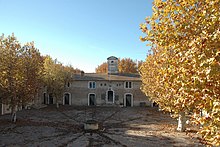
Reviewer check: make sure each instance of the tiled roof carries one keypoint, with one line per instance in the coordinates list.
(106, 77)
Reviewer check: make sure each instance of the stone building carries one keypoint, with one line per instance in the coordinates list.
(4, 109)
(98, 89)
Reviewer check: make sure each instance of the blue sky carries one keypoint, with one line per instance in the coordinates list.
(82, 33)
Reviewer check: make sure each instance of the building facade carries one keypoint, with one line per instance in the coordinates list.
(4, 109)
(93, 89)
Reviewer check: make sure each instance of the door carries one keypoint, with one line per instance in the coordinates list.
(1, 109)
(110, 96)
(67, 99)
(128, 100)
(45, 98)
(50, 98)
(92, 101)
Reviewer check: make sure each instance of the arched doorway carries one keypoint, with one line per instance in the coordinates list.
(110, 96)
(1, 109)
(50, 101)
(67, 99)
(128, 100)
(91, 99)
(45, 98)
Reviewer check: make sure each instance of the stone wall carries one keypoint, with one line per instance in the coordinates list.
(80, 92)
(5, 109)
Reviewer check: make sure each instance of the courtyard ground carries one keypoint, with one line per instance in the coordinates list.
(127, 127)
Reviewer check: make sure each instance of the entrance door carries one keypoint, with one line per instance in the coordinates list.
(50, 98)
(66, 99)
(128, 100)
(110, 96)
(92, 100)
(45, 98)
(1, 109)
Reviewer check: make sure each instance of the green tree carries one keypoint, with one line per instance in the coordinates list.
(182, 73)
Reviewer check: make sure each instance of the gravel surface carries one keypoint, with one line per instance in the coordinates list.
(126, 127)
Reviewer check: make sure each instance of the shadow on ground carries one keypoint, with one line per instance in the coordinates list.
(137, 126)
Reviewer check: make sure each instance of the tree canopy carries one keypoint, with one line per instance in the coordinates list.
(125, 65)
(103, 68)
(182, 72)
(56, 77)
(21, 70)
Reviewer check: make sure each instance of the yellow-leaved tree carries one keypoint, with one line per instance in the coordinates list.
(20, 73)
(182, 73)
(125, 65)
(103, 68)
(56, 78)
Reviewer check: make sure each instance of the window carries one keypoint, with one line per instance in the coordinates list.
(92, 85)
(128, 84)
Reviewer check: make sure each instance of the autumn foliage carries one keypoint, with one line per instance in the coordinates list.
(103, 68)
(20, 72)
(23, 72)
(56, 77)
(182, 71)
(125, 65)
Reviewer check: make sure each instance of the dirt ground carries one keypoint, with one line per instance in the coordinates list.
(127, 127)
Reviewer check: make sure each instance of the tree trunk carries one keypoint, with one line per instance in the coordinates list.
(13, 114)
(57, 105)
(181, 122)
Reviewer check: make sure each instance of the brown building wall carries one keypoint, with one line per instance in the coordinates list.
(80, 92)
(5, 109)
